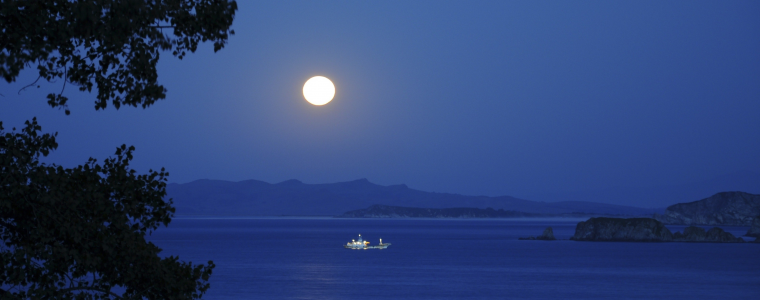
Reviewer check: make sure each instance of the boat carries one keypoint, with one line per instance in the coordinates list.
(363, 245)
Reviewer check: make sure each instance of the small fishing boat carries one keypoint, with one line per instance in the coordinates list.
(362, 244)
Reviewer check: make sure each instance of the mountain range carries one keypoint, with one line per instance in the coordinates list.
(294, 198)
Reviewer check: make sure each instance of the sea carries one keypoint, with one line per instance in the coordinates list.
(304, 258)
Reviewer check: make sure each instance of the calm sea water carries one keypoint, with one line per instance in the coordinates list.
(292, 258)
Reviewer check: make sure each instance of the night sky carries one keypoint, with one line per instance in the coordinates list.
(478, 98)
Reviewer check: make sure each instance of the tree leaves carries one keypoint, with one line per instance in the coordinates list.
(113, 45)
(79, 233)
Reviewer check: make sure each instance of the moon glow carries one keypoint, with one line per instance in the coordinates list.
(318, 90)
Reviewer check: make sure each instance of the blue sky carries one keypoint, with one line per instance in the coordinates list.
(491, 97)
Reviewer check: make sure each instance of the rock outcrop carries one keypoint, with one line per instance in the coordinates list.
(754, 231)
(726, 208)
(646, 230)
(697, 234)
(629, 230)
(548, 235)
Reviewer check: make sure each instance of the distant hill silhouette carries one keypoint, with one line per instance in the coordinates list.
(292, 197)
(726, 208)
(662, 196)
(385, 211)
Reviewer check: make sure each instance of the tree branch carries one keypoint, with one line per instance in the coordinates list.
(65, 73)
(31, 84)
(91, 289)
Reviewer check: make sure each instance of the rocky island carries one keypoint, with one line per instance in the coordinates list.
(698, 234)
(548, 235)
(390, 211)
(387, 211)
(646, 230)
(615, 229)
(726, 208)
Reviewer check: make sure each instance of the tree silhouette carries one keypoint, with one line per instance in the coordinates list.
(112, 45)
(79, 233)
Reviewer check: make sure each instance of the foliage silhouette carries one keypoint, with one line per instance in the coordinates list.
(112, 45)
(79, 233)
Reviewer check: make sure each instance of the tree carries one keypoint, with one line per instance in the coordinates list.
(79, 233)
(112, 45)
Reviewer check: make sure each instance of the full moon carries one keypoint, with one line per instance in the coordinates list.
(318, 90)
